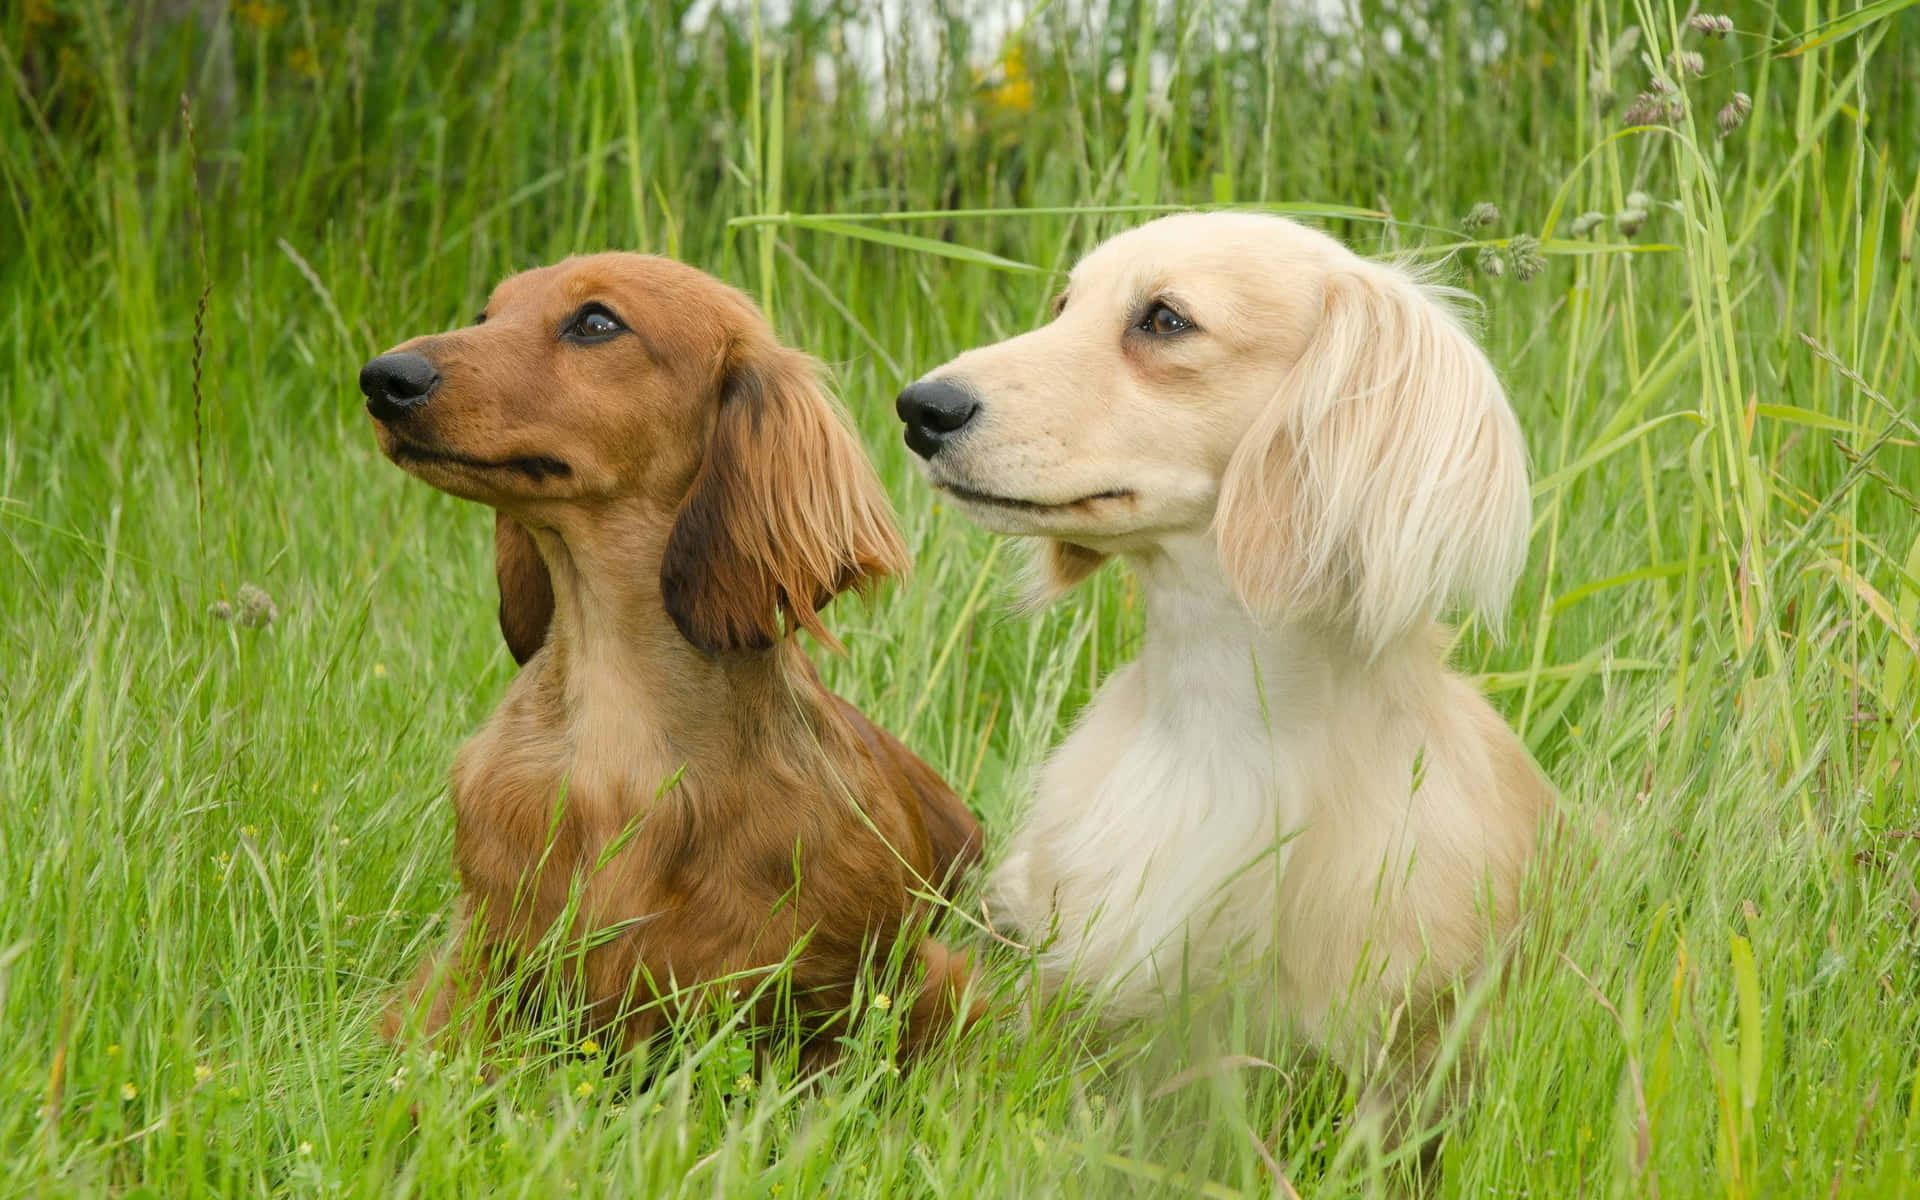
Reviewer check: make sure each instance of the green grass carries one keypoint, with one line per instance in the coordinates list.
(220, 846)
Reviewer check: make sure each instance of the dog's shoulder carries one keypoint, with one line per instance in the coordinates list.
(953, 835)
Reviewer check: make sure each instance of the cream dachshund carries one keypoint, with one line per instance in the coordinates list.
(1306, 459)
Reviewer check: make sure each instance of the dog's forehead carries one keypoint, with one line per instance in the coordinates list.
(1189, 248)
(612, 277)
(538, 286)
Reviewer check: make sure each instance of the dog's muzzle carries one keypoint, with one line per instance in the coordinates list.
(934, 410)
(395, 383)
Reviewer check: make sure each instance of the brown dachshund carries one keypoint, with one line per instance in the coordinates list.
(666, 794)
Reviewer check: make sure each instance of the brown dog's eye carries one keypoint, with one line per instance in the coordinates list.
(481, 319)
(1163, 321)
(593, 323)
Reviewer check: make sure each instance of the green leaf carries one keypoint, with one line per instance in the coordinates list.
(908, 241)
(1560, 247)
(1845, 26)
(1746, 986)
(1899, 664)
(1292, 208)
(1585, 462)
(1812, 419)
(1573, 596)
(1876, 602)
(1508, 681)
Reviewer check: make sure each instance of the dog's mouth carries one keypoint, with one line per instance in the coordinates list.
(1017, 504)
(537, 467)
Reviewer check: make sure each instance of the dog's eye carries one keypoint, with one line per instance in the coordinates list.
(593, 323)
(481, 319)
(1162, 320)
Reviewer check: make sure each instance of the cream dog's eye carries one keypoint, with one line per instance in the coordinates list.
(1162, 320)
(593, 323)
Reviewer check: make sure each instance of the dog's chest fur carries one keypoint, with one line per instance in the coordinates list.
(1156, 833)
(670, 856)
(1245, 794)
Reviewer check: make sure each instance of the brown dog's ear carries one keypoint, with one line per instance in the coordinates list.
(784, 514)
(526, 594)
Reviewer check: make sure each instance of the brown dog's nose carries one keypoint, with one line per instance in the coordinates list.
(394, 383)
(934, 411)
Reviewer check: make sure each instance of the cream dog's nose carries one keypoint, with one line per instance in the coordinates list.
(935, 410)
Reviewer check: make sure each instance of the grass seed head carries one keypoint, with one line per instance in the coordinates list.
(1714, 25)
(253, 607)
(1648, 108)
(1523, 250)
(1481, 215)
(1734, 113)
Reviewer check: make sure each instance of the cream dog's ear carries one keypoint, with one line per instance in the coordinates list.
(1054, 569)
(1387, 479)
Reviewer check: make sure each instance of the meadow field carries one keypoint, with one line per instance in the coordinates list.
(238, 649)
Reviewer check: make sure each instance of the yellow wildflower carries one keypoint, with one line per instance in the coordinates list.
(1014, 90)
(259, 14)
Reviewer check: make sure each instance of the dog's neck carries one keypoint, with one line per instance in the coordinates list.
(1201, 641)
(625, 676)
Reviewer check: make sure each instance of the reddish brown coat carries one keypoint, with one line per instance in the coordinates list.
(666, 786)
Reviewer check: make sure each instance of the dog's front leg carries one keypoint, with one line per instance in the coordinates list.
(942, 1001)
(450, 995)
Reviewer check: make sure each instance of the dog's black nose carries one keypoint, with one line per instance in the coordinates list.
(934, 411)
(394, 383)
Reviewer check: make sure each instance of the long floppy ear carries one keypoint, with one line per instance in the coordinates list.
(526, 594)
(784, 514)
(1387, 479)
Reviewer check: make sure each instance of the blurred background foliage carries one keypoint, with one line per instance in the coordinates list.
(1694, 250)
